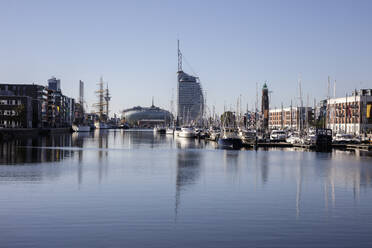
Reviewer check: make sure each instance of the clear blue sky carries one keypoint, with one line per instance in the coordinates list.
(231, 45)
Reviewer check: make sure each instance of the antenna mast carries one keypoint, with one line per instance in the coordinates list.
(179, 56)
(301, 102)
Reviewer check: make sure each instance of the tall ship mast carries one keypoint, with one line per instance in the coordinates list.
(107, 100)
(100, 106)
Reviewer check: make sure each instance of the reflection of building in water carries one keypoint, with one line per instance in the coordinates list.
(78, 141)
(103, 146)
(299, 186)
(188, 170)
(264, 167)
(35, 149)
(344, 174)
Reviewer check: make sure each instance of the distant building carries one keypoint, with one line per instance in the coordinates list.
(60, 109)
(38, 95)
(351, 114)
(265, 107)
(146, 117)
(54, 84)
(49, 107)
(290, 118)
(190, 105)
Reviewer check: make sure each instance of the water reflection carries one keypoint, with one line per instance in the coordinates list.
(173, 189)
(188, 168)
(34, 150)
(337, 169)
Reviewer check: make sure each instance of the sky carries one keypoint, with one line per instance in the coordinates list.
(233, 46)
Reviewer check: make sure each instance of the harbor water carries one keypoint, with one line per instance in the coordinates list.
(121, 188)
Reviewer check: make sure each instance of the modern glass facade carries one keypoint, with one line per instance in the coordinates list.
(190, 105)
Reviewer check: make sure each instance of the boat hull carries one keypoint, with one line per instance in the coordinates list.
(160, 130)
(231, 143)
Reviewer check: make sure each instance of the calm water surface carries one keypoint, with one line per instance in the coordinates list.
(137, 189)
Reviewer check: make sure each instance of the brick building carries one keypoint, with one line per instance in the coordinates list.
(290, 118)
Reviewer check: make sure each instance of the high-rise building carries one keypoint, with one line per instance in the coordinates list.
(54, 84)
(265, 107)
(190, 105)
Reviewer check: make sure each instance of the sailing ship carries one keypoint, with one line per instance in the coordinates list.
(103, 102)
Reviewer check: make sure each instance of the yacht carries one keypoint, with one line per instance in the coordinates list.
(230, 139)
(170, 130)
(214, 133)
(294, 138)
(278, 136)
(187, 132)
(247, 136)
(342, 138)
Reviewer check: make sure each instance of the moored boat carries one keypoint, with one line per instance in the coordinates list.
(187, 132)
(170, 130)
(230, 139)
(247, 136)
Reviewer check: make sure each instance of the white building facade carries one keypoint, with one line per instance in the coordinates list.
(351, 114)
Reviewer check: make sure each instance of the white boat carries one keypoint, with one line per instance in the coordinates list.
(278, 135)
(294, 138)
(342, 138)
(170, 130)
(177, 131)
(214, 133)
(80, 128)
(100, 125)
(187, 132)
